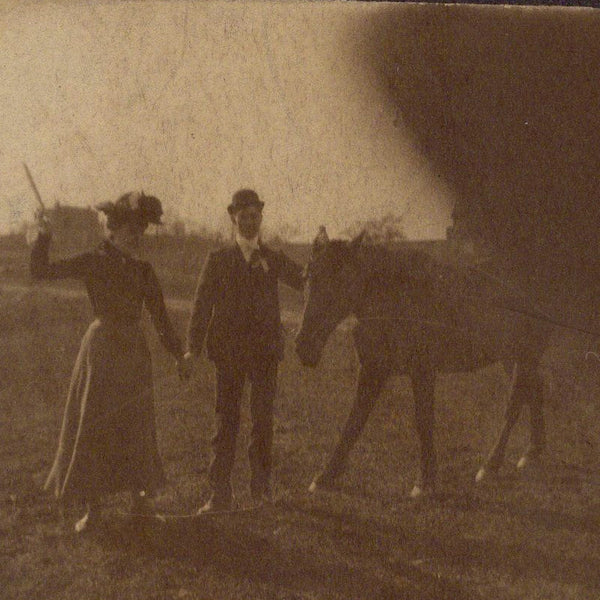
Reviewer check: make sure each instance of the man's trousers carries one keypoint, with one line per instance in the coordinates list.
(262, 375)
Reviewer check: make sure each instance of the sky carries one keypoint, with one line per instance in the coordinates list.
(191, 101)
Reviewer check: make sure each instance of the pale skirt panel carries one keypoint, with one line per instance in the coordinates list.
(108, 438)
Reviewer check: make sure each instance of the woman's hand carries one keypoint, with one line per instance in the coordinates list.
(39, 228)
(43, 223)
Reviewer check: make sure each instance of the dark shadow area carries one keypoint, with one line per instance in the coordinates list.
(449, 547)
(490, 498)
(233, 545)
(548, 520)
(504, 103)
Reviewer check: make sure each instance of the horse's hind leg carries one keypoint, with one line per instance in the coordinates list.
(511, 416)
(537, 440)
(370, 382)
(527, 390)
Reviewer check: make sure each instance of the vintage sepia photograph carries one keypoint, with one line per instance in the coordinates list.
(299, 300)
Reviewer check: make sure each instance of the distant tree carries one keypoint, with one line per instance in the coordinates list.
(469, 242)
(177, 228)
(386, 230)
(283, 234)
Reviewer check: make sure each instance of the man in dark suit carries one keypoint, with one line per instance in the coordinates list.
(236, 309)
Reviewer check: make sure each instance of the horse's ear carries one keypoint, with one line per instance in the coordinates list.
(321, 239)
(358, 241)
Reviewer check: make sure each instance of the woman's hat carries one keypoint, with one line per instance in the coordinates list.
(133, 207)
(243, 199)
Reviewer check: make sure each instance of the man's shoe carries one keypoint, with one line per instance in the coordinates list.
(144, 510)
(215, 505)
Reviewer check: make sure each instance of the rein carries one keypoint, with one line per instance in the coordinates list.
(536, 313)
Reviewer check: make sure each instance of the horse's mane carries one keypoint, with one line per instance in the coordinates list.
(405, 266)
(399, 268)
(421, 276)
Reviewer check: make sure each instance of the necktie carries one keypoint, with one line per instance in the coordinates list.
(255, 257)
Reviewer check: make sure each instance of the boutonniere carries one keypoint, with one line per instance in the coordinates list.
(264, 264)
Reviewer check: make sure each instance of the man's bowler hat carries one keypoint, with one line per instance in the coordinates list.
(243, 199)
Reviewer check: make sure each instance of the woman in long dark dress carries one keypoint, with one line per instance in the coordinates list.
(107, 442)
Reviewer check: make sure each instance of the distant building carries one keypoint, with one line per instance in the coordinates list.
(467, 244)
(74, 226)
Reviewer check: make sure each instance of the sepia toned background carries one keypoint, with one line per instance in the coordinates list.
(193, 100)
(472, 131)
(335, 112)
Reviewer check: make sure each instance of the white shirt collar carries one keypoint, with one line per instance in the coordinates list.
(247, 246)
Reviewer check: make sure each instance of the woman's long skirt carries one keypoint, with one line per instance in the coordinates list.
(108, 441)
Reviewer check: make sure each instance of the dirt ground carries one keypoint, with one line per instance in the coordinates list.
(531, 535)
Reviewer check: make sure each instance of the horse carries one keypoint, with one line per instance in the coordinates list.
(418, 316)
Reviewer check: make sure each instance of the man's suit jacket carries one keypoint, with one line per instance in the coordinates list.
(236, 305)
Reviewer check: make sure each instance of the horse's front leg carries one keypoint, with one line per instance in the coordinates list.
(370, 381)
(423, 382)
(537, 440)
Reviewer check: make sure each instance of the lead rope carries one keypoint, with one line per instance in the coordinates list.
(164, 517)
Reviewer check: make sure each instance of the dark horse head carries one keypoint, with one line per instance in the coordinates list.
(332, 291)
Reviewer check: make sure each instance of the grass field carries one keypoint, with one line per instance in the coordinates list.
(524, 536)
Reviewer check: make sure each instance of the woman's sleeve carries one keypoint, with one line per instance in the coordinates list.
(155, 303)
(40, 266)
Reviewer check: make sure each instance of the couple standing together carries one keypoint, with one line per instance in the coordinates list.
(108, 442)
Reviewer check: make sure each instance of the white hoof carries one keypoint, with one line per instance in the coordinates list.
(416, 492)
(523, 462)
(312, 488)
(481, 475)
(421, 491)
(82, 524)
